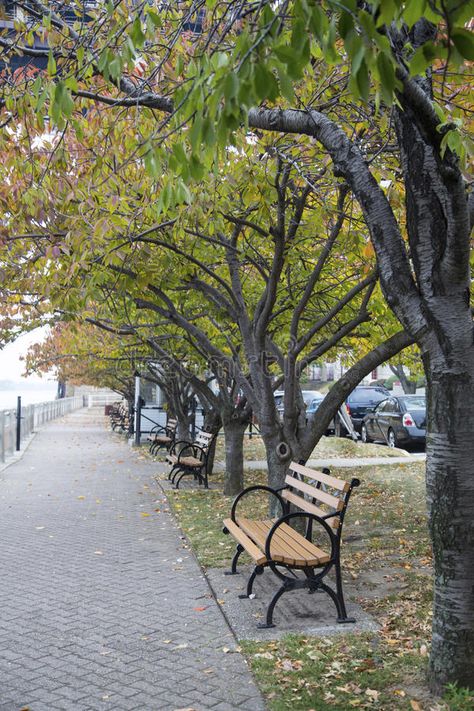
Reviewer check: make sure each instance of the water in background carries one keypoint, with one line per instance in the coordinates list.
(8, 398)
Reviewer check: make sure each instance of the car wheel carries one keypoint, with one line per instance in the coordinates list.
(364, 435)
(392, 439)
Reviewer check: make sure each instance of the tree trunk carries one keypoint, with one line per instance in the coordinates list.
(450, 487)
(409, 386)
(234, 431)
(183, 428)
(279, 456)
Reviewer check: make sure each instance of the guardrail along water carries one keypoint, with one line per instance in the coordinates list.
(18, 424)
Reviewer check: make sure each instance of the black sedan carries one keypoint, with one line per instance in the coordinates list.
(397, 421)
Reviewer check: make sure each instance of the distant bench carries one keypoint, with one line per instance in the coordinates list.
(190, 458)
(119, 417)
(321, 500)
(162, 437)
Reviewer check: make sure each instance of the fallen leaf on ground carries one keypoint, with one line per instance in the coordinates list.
(372, 694)
(200, 609)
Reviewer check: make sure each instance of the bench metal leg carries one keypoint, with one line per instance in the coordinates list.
(269, 621)
(340, 595)
(178, 475)
(339, 603)
(258, 570)
(233, 566)
(183, 473)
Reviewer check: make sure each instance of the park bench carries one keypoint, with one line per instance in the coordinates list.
(119, 417)
(162, 437)
(318, 504)
(190, 458)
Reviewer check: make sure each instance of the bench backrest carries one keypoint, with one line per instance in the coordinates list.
(204, 439)
(171, 425)
(317, 493)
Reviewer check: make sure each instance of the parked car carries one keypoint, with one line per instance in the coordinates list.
(312, 399)
(311, 411)
(363, 399)
(397, 421)
(308, 396)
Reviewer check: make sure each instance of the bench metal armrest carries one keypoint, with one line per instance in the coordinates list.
(176, 444)
(257, 487)
(157, 428)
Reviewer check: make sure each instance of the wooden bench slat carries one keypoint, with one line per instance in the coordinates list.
(333, 501)
(190, 461)
(245, 541)
(309, 507)
(323, 557)
(331, 481)
(287, 546)
(295, 548)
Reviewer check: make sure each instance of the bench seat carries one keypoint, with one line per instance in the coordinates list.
(185, 461)
(162, 439)
(288, 546)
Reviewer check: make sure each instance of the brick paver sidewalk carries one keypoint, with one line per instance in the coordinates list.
(101, 606)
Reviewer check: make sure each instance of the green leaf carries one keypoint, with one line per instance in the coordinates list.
(413, 11)
(464, 43)
(363, 81)
(230, 86)
(387, 76)
(115, 68)
(195, 132)
(51, 68)
(286, 84)
(265, 83)
(136, 33)
(345, 25)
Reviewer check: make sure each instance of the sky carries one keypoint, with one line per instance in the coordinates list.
(11, 367)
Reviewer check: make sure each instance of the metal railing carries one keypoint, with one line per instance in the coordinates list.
(17, 424)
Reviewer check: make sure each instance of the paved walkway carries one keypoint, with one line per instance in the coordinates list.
(101, 605)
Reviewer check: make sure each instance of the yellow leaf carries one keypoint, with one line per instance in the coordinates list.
(415, 705)
(368, 250)
(142, 513)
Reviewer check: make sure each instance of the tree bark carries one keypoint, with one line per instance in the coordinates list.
(234, 430)
(450, 489)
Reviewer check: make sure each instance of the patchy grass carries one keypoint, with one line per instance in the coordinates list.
(334, 673)
(201, 513)
(328, 447)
